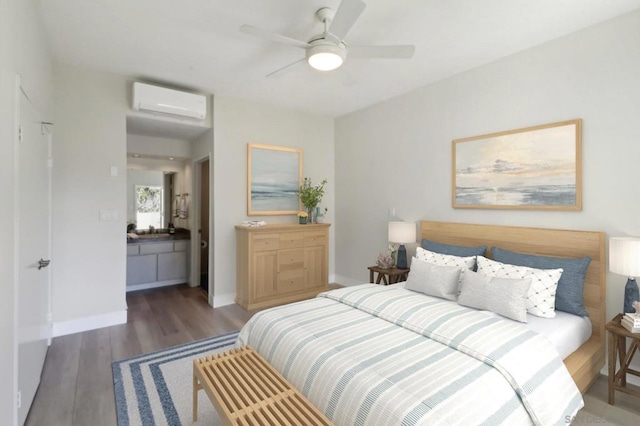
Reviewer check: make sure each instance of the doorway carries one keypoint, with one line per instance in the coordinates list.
(203, 225)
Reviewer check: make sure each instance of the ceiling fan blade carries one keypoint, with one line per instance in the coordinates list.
(388, 52)
(285, 68)
(346, 15)
(276, 38)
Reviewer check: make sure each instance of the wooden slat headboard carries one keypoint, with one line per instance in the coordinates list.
(585, 366)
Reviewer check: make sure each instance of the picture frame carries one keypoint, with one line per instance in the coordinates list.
(274, 176)
(533, 168)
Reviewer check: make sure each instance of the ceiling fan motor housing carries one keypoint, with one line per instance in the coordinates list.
(325, 56)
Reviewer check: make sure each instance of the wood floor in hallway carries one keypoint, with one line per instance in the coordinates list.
(77, 383)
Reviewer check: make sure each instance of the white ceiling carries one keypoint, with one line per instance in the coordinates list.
(196, 44)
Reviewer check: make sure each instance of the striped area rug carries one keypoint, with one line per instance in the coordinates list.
(156, 388)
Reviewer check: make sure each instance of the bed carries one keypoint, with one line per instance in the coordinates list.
(386, 355)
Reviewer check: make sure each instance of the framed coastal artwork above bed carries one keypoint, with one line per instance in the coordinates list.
(274, 176)
(534, 168)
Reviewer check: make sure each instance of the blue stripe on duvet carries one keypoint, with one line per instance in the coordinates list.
(283, 318)
(500, 417)
(381, 388)
(358, 368)
(284, 331)
(300, 345)
(433, 401)
(322, 359)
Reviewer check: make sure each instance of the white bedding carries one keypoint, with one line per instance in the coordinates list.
(567, 332)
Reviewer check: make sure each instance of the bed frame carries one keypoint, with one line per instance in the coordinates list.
(585, 363)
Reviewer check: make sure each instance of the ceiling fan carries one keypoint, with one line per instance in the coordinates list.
(328, 51)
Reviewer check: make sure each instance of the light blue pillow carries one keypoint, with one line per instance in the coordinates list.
(570, 292)
(461, 251)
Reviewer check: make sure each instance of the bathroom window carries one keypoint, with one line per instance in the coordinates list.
(149, 206)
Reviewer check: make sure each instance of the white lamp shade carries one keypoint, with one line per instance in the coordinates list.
(624, 256)
(402, 232)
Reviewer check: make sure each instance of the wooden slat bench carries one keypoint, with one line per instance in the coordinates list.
(246, 390)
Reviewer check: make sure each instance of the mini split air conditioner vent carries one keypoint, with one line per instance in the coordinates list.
(168, 101)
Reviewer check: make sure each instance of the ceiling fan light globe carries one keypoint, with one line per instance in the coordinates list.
(326, 57)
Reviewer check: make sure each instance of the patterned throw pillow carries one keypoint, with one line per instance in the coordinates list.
(439, 259)
(541, 297)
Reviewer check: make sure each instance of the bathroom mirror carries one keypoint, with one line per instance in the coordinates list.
(154, 191)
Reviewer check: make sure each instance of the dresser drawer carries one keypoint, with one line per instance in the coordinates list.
(289, 240)
(156, 248)
(314, 239)
(291, 281)
(290, 259)
(266, 242)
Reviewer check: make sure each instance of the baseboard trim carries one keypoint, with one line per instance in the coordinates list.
(223, 299)
(62, 328)
(136, 287)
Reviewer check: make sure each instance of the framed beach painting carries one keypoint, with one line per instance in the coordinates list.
(274, 175)
(535, 168)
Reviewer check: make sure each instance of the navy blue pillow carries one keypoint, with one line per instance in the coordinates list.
(569, 295)
(452, 250)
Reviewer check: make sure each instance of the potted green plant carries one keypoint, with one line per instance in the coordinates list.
(311, 195)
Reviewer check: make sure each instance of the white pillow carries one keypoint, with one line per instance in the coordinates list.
(541, 298)
(464, 263)
(504, 296)
(434, 280)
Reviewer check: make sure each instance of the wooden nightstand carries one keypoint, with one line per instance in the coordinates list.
(618, 349)
(388, 276)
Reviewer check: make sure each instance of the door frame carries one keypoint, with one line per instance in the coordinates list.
(195, 242)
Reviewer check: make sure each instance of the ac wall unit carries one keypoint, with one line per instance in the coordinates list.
(168, 101)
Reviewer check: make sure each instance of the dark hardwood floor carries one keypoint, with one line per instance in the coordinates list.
(77, 385)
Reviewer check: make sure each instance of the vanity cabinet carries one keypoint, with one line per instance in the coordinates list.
(278, 264)
(155, 264)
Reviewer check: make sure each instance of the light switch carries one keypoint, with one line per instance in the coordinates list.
(114, 171)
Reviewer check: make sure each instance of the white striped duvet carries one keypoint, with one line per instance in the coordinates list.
(388, 356)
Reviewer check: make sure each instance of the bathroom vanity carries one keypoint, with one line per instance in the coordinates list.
(157, 260)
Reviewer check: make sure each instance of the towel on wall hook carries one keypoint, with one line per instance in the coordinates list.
(184, 207)
(176, 206)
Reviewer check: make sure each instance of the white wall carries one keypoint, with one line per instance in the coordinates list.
(23, 50)
(89, 270)
(237, 123)
(398, 153)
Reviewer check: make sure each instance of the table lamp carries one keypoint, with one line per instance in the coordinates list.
(624, 259)
(402, 233)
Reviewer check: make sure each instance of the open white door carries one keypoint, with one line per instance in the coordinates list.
(33, 251)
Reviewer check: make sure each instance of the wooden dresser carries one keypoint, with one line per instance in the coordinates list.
(283, 263)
